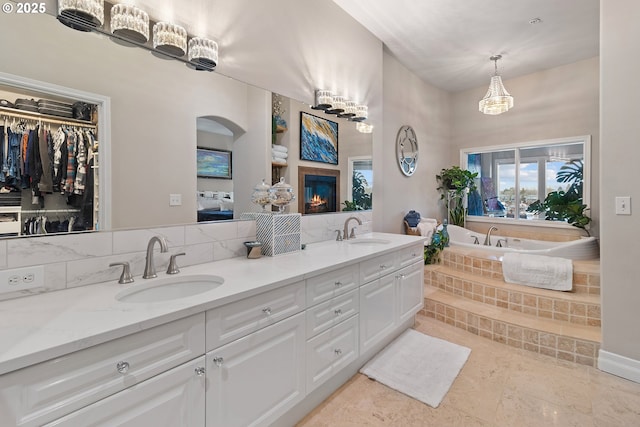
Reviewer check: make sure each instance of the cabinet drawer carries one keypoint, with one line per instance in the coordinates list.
(408, 256)
(377, 267)
(235, 320)
(173, 398)
(331, 351)
(328, 285)
(44, 392)
(330, 313)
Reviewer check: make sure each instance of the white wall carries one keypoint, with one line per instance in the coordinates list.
(556, 103)
(410, 101)
(620, 127)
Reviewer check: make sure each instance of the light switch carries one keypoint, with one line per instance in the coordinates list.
(623, 205)
(175, 199)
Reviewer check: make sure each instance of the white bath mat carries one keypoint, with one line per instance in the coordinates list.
(418, 365)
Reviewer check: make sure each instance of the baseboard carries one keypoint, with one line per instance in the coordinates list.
(619, 365)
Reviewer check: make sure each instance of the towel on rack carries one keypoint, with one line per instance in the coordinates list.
(279, 154)
(538, 271)
(280, 148)
(426, 227)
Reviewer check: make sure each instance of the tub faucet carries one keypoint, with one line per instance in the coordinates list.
(149, 267)
(345, 232)
(487, 239)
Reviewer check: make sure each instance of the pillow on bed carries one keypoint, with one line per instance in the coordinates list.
(226, 205)
(206, 203)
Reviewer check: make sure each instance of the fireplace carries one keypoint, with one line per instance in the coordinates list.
(319, 190)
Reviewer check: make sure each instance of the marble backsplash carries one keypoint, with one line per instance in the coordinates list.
(83, 259)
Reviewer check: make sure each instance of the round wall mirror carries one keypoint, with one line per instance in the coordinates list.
(407, 150)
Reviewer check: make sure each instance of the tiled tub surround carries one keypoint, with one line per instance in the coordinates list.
(467, 291)
(81, 259)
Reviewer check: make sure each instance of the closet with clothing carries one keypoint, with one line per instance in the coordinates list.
(46, 174)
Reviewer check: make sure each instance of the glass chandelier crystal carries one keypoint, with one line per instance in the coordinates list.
(170, 38)
(364, 127)
(324, 99)
(203, 53)
(130, 22)
(81, 14)
(497, 100)
(362, 112)
(338, 105)
(350, 110)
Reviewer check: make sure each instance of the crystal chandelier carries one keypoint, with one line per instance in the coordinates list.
(82, 15)
(349, 110)
(130, 23)
(203, 53)
(497, 100)
(324, 99)
(338, 105)
(170, 38)
(362, 112)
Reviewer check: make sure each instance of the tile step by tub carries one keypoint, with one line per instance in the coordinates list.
(572, 307)
(561, 340)
(586, 274)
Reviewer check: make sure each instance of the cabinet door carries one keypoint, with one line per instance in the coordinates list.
(257, 378)
(377, 311)
(410, 285)
(174, 398)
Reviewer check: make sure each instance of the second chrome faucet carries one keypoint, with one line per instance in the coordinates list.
(149, 266)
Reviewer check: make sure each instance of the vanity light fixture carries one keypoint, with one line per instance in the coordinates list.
(362, 112)
(130, 22)
(364, 127)
(203, 53)
(81, 15)
(324, 99)
(349, 110)
(338, 105)
(170, 38)
(497, 100)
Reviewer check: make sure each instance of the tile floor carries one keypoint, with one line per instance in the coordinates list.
(498, 386)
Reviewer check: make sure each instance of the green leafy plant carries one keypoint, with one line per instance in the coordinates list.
(361, 199)
(565, 205)
(454, 184)
(432, 250)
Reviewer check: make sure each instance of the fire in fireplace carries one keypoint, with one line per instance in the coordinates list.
(319, 190)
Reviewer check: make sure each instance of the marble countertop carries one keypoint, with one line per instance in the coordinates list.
(38, 328)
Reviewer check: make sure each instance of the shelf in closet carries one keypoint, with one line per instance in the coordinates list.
(29, 115)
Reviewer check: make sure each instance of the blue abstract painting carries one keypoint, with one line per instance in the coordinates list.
(213, 163)
(318, 139)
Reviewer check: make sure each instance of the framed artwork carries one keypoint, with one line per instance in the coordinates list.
(213, 163)
(318, 139)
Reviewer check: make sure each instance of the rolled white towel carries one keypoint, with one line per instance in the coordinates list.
(279, 154)
(538, 271)
(280, 148)
(426, 229)
(278, 161)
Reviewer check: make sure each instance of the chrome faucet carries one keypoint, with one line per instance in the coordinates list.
(487, 239)
(345, 232)
(149, 267)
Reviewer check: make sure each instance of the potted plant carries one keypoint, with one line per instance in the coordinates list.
(454, 185)
(565, 205)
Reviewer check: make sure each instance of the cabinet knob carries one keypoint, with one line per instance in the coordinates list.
(383, 267)
(337, 311)
(200, 371)
(337, 351)
(402, 275)
(338, 284)
(122, 367)
(218, 361)
(267, 311)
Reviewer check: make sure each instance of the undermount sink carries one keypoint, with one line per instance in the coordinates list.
(169, 288)
(369, 241)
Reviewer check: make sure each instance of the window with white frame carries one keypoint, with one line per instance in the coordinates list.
(512, 178)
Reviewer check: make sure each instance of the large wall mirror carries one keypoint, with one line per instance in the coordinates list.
(159, 113)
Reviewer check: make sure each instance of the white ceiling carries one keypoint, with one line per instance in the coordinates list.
(448, 43)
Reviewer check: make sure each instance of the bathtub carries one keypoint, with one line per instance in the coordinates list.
(581, 249)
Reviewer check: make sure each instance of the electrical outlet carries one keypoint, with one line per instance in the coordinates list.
(175, 199)
(19, 279)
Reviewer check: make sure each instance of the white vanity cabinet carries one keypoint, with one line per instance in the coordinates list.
(389, 294)
(42, 393)
(254, 380)
(173, 398)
